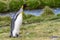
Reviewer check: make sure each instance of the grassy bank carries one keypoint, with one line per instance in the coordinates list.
(10, 5)
(41, 28)
(33, 4)
(14, 5)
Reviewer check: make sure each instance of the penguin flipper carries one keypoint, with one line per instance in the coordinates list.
(12, 26)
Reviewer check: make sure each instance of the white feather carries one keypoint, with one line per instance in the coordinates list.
(17, 25)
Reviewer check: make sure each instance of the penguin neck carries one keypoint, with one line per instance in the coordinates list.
(20, 14)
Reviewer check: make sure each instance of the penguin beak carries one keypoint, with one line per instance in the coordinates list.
(22, 7)
(22, 11)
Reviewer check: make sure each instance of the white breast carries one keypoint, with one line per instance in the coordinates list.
(18, 20)
(18, 23)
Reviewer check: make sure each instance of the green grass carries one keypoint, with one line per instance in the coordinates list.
(34, 31)
(4, 21)
(33, 4)
(13, 5)
(10, 5)
(42, 30)
(47, 11)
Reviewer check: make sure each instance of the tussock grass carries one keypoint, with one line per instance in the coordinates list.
(4, 21)
(14, 5)
(34, 31)
(39, 30)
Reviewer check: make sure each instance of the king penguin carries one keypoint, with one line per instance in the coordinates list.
(16, 22)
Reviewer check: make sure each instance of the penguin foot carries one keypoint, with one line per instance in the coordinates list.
(17, 35)
(10, 36)
(14, 36)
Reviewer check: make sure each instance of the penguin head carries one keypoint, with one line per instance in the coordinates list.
(22, 7)
(25, 5)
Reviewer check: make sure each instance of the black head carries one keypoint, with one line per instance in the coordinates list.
(24, 6)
